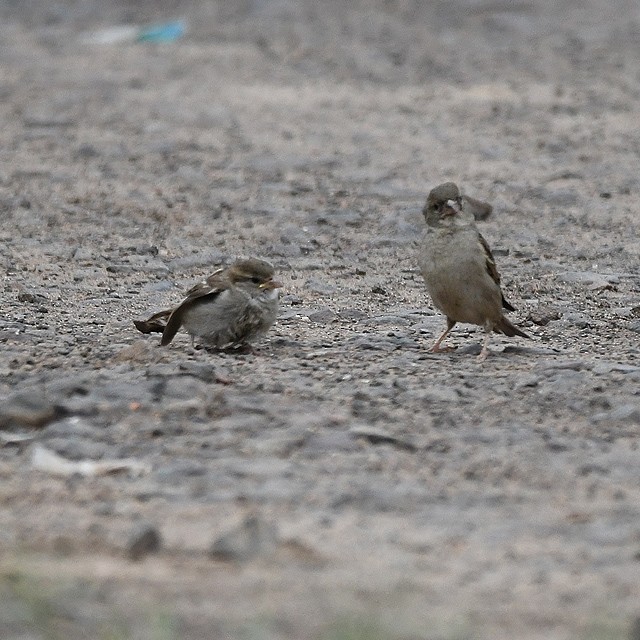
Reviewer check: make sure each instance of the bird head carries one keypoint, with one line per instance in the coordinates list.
(253, 275)
(444, 205)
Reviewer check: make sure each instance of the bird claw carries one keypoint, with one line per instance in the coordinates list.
(439, 349)
(243, 349)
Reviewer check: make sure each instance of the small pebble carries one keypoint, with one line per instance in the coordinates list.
(143, 540)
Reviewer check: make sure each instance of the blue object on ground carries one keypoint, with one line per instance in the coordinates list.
(166, 32)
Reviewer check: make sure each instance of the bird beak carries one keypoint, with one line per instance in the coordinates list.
(451, 208)
(271, 284)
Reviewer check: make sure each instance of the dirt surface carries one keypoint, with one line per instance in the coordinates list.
(341, 481)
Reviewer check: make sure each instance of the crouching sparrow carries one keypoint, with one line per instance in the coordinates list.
(231, 308)
(459, 269)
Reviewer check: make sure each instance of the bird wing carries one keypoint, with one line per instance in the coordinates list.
(211, 287)
(492, 270)
(479, 209)
(214, 283)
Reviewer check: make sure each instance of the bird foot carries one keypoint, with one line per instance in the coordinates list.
(243, 349)
(438, 349)
(482, 356)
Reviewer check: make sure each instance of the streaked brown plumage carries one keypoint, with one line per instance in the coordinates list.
(459, 269)
(232, 307)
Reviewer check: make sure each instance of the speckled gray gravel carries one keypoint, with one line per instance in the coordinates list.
(341, 471)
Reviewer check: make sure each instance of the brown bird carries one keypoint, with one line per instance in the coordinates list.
(459, 270)
(231, 308)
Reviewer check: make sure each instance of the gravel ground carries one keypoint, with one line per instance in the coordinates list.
(341, 481)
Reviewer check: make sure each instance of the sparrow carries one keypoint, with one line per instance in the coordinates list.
(459, 270)
(231, 308)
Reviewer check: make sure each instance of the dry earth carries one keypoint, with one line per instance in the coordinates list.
(341, 482)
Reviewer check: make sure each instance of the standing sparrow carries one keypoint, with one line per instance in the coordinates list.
(231, 308)
(459, 270)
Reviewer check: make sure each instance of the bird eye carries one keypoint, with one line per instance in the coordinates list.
(256, 280)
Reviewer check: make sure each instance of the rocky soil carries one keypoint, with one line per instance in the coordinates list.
(341, 481)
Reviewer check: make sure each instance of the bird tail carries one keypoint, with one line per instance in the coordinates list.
(507, 305)
(155, 324)
(509, 329)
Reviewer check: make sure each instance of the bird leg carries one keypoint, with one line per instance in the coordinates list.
(482, 356)
(436, 347)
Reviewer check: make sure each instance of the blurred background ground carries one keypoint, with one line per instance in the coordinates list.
(341, 482)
